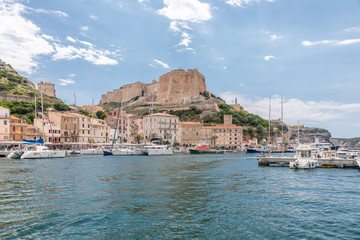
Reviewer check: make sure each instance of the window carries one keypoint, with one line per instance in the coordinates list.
(83, 131)
(83, 125)
(6, 115)
(65, 126)
(89, 132)
(14, 128)
(6, 137)
(88, 125)
(83, 119)
(5, 122)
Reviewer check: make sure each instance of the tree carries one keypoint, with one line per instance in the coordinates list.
(84, 112)
(213, 139)
(100, 115)
(61, 107)
(138, 138)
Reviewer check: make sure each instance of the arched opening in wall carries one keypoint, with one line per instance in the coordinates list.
(142, 93)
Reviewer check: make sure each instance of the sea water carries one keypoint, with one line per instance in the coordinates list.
(175, 197)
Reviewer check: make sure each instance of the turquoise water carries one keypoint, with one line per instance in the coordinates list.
(181, 197)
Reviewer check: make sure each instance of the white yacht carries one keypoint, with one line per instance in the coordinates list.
(42, 152)
(91, 151)
(153, 150)
(122, 152)
(303, 158)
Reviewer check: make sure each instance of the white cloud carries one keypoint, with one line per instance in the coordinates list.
(180, 28)
(65, 82)
(224, 67)
(186, 10)
(162, 64)
(72, 75)
(84, 28)
(352, 29)
(48, 37)
(268, 58)
(294, 109)
(274, 37)
(57, 13)
(23, 37)
(93, 17)
(92, 55)
(331, 42)
(86, 43)
(242, 3)
(71, 39)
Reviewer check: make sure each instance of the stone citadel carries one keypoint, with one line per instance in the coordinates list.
(178, 87)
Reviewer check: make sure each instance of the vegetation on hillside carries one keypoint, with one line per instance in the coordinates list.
(191, 115)
(14, 85)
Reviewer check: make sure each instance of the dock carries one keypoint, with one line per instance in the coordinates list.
(324, 162)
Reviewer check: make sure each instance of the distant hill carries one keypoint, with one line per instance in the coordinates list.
(14, 87)
(350, 143)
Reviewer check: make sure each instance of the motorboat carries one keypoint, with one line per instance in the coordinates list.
(155, 150)
(303, 158)
(91, 151)
(42, 152)
(202, 149)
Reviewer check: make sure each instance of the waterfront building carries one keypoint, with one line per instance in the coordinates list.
(189, 133)
(130, 126)
(161, 125)
(18, 129)
(32, 132)
(69, 126)
(225, 136)
(52, 131)
(4, 124)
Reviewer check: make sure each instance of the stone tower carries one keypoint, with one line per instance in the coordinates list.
(180, 86)
(47, 88)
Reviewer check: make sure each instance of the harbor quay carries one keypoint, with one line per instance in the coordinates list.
(284, 161)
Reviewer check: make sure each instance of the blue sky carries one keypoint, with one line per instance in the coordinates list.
(306, 50)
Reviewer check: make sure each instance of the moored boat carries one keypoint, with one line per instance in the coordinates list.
(202, 149)
(42, 152)
(303, 158)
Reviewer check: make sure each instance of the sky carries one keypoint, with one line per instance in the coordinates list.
(306, 51)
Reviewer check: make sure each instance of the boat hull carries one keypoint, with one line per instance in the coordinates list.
(158, 152)
(43, 154)
(193, 151)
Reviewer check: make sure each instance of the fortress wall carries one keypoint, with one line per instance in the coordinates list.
(175, 87)
(180, 86)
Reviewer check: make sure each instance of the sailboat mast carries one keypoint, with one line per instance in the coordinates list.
(116, 126)
(269, 119)
(42, 110)
(122, 123)
(152, 110)
(35, 116)
(91, 129)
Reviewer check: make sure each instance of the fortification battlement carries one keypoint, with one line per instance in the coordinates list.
(175, 87)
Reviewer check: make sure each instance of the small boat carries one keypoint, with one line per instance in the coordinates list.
(156, 150)
(303, 158)
(202, 149)
(42, 152)
(91, 151)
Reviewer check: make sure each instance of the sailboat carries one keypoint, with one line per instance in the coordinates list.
(91, 150)
(154, 149)
(41, 151)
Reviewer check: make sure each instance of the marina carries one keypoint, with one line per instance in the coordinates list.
(179, 196)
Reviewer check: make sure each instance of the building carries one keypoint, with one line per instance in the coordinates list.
(161, 125)
(52, 131)
(189, 133)
(226, 136)
(33, 132)
(18, 129)
(69, 126)
(4, 124)
(47, 88)
(91, 108)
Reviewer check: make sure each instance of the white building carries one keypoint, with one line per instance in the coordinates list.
(163, 126)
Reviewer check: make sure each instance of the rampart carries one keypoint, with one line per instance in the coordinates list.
(175, 87)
